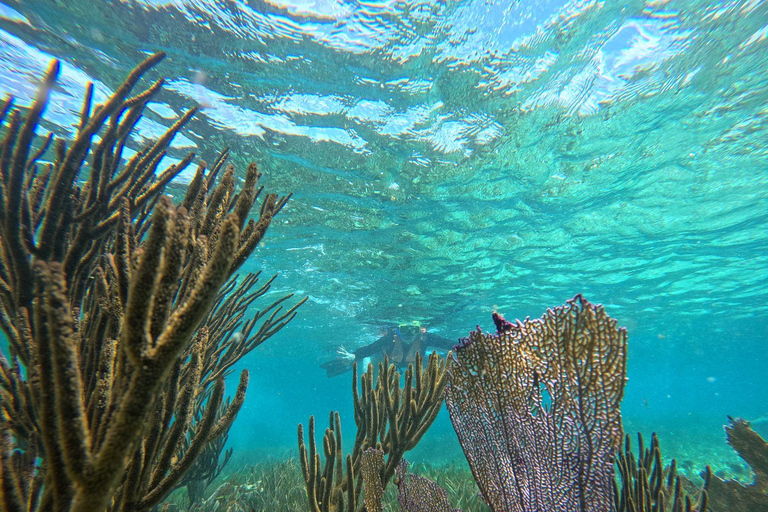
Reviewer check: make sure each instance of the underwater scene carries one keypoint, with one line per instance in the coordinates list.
(346, 256)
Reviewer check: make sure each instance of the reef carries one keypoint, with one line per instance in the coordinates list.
(370, 471)
(208, 465)
(536, 408)
(124, 313)
(390, 417)
(122, 310)
(638, 480)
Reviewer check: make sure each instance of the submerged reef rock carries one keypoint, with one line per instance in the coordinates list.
(536, 408)
(119, 306)
(389, 417)
(730, 495)
(647, 486)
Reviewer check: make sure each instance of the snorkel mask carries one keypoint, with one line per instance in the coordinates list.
(408, 332)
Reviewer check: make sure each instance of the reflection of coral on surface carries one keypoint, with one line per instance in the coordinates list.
(536, 408)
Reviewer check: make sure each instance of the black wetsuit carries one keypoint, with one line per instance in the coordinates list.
(401, 351)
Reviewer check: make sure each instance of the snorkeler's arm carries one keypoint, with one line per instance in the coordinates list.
(377, 347)
(435, 341)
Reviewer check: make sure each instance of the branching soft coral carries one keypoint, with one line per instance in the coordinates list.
(111, 299)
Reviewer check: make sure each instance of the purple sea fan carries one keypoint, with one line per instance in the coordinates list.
(536, 408)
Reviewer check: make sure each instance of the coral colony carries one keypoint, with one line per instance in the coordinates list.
(123, 313)
(536, 407)
(111, 299)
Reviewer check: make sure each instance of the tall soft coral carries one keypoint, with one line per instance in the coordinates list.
(112, 300)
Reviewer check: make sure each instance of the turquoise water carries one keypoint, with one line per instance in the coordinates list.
(449, 158)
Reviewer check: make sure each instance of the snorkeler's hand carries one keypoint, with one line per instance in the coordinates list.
(345, 354)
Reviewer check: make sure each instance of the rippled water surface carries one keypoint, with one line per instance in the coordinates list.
(452, 157)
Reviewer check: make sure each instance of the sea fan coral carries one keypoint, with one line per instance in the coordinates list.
(536, 407)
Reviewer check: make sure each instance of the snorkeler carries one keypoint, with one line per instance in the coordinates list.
(400, 344)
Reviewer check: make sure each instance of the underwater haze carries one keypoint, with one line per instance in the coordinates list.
(452, 158)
